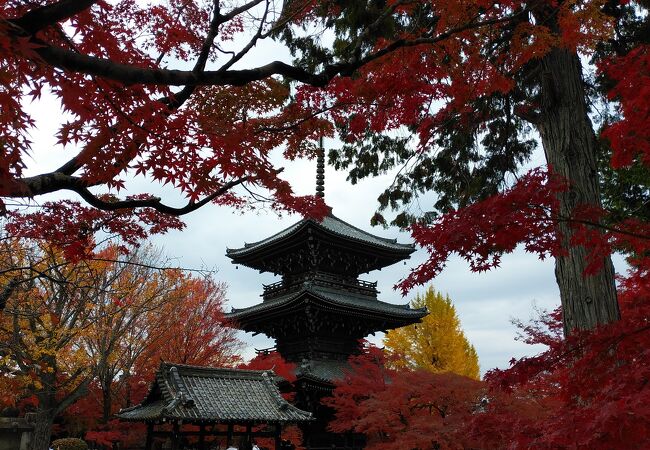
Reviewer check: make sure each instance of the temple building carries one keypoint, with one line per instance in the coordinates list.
(320, 310)
(222, 406)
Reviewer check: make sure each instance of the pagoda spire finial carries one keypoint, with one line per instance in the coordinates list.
(320, 170)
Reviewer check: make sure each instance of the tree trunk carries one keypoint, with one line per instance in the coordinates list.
(569, 143)
(107, 403)
(42, 430)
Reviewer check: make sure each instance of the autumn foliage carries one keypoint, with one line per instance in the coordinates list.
(437, 343)
(468, 80)
(413, 409)
(588, 391)
(594, 384)
(81, 338)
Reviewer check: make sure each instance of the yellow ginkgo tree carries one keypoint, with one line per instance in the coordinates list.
(437, 344)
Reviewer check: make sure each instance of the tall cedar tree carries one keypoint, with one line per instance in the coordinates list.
(477, 79)
(437, 344)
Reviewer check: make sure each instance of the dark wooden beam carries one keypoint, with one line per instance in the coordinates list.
(215, 433)
(249, 435)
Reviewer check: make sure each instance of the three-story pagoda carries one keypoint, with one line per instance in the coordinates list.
(320, 310)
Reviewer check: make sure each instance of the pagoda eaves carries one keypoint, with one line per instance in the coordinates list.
(331, 245)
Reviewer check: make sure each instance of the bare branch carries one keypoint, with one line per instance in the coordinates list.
(251, 43)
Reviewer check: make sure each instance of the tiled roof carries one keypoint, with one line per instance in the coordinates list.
(329, 224)
(323, 370)
(355, 304)
(220, 395)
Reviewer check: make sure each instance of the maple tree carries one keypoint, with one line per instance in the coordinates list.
(587, 391)
(498, 70)
(394, 407)
(437, 343)
(272, 361)
(592, 385)
(154, 90)
(195, 330)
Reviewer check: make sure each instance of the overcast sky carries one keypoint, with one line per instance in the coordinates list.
(486, 303)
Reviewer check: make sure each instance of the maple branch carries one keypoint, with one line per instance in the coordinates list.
(153, 202)
(603, 227)
(179, 98)
(45, 16)
(129, 74)
(184, 94)
(9, 288)
(54, 181)
(78, 392)
(251, 43)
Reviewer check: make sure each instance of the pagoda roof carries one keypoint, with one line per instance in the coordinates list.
(353, 304)
(216, 395)
(325, 371)
(330, 225)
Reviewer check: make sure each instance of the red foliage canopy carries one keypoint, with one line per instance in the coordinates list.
(415, 409)
(586, 392)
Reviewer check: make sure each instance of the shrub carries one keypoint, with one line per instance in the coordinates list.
(69, 444)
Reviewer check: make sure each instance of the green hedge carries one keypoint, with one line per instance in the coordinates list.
(69, 444)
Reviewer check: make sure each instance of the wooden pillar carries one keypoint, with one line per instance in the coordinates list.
(249, 436)
(229, 434)
(202, 437)
(278, 433)
(149, 440)
(176, 436)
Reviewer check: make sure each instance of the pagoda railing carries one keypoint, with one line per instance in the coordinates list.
(323, 279)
